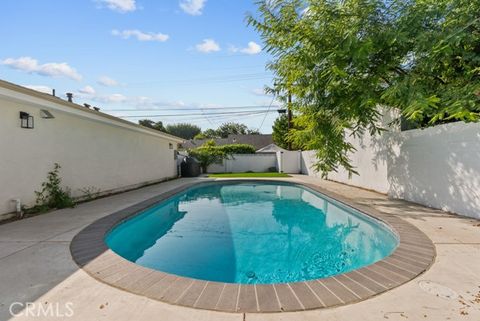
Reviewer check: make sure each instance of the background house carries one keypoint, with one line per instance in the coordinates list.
(95, 150)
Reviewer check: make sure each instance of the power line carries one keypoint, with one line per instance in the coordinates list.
(216, 79)
(191, 108)
(268, 110)
(195, 114)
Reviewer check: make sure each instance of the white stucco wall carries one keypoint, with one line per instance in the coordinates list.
(289, 162)
(438, 167)
(92, 151)
(369, 160)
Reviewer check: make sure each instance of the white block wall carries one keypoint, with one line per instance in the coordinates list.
(241, 163)
(437, 167)
(289, 162)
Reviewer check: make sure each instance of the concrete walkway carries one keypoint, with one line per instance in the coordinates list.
(36, 266)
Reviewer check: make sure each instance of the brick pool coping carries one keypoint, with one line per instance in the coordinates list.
(414, 255)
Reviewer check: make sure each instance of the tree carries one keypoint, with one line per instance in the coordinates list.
(252, 131)
(208, 154)
(183, 130)
(280, 131)
(341, 60)
(200, 136)
(151, 124)
(231, 129)
(210, 134)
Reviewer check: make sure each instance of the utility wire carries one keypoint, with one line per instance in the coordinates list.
(268, 110)
(173, 108)
(216, 79)
(194, 114)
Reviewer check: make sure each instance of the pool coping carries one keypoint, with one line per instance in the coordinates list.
(413, 256)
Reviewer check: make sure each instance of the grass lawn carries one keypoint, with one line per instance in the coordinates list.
(228, 175)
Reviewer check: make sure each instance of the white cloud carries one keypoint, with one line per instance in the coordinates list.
(113, 98)
(51, 69)
(193, 7)
(88, 90)
(253, 48)
(40, 88)
(107, 81)
(208, 45)
(120, 5)
(140, 35)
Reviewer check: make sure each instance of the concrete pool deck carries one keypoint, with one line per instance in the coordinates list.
(36, 266)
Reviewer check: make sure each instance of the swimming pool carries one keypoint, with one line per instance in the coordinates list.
(252, 233)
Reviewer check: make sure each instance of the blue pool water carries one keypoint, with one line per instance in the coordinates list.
(252, 232)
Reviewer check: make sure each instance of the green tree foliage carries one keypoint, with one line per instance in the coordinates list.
(238, 149)
(209, 153)
(231, 129)
(280, 131)
(342, 59)
(252, 131)
(183, 130)
(201, 136)
(226, 129)
(211, 133)
(152, 124)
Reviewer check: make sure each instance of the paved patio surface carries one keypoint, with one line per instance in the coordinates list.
(36, 266)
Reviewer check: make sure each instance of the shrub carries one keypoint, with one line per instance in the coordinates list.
(52, 195)
(209, 153)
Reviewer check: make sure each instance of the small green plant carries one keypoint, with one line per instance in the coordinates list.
(90, 193)
(52, 194)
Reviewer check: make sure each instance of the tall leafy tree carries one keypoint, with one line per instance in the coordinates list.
(231, 128)
(280, 131)
(183, 130)
(152, 124)
(342, 59)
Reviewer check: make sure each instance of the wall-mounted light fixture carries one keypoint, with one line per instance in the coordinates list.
(170, 145)
(26, 120)
(45, 114)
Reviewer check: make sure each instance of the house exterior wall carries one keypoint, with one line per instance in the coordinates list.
(438, 167)
(93, 151)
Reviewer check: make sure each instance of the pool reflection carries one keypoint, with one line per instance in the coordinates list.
(251, 233)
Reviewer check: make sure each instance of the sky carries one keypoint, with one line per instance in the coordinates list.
(191, 59)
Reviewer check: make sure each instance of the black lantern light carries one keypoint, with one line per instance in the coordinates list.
(26, 120)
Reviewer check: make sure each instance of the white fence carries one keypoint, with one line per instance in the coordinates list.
(285, 162)
(438, 167)
(240, 163)
(289, 162)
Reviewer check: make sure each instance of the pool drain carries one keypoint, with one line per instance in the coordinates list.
(250, 274)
